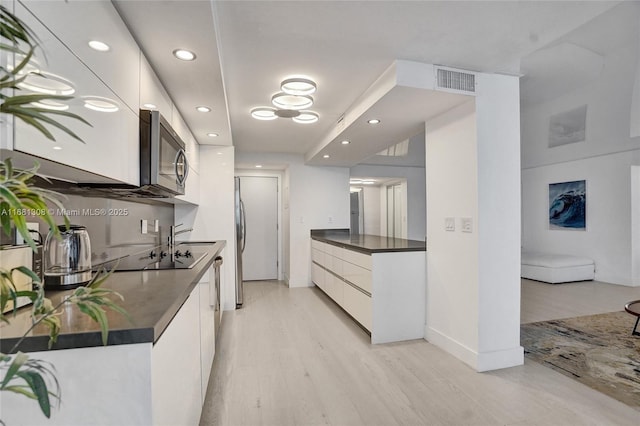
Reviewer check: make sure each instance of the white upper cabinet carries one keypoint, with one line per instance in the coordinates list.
(77, 22)
(152, 93)
(110, 146)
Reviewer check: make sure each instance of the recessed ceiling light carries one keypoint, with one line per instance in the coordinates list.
(57, 148)
(213, 135)
(345, 142)
(99, 46)
(264, 113)
(203, 109)
(374, 121)
(100, 104)
(150, 106)
(298, 86)
(258, 166)
(306, 117)
(368, 182)
(295, 102)
(326, 156)
(184, 55)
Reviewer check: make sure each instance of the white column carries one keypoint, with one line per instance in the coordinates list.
(473, 278)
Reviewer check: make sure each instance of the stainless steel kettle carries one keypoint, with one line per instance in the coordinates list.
(68, 258)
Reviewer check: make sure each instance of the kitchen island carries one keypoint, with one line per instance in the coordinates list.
(155, 367)
(378, 281)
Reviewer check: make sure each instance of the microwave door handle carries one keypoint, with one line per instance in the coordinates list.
(181, 177)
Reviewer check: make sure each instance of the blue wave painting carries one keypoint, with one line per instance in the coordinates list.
(568, 205)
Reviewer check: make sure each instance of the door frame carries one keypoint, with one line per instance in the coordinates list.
(278, 175)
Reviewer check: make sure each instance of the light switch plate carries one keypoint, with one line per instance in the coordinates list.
(466, 223)
(450, 224)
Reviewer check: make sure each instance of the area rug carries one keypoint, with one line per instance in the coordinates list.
(596, 350)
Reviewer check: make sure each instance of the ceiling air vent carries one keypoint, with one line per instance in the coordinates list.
(457, 81)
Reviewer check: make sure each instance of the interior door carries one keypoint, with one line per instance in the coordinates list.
(260, 257)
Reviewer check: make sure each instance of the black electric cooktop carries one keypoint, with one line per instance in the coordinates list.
(155, 259)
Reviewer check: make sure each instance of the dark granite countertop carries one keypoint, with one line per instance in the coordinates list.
(365, 243)
(152, 298)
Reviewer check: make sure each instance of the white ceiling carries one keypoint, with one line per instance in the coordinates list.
(245, 48)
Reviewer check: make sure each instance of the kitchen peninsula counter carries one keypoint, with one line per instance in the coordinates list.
(151, 298)
(365, 243)
(378, 281)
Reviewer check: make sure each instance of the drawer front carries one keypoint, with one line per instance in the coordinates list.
(318, 275)
(335, 265)
(360, 259)
(337, 291)
(358, 276)
(358, 305)
(318, 257)
(316, 244)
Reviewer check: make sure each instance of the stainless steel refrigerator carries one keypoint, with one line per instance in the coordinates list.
(241, 233)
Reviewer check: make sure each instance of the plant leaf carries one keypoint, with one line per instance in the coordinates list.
(39, 387)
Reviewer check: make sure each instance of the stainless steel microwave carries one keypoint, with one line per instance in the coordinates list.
(163, 162)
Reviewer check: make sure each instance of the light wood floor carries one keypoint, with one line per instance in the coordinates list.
(292, 357)
(544, 302)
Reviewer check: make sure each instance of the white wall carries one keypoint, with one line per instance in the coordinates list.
(416, 193)
(473, 279)
(213, 219)
(452, 257)
(604, 160)
(371, 210)
(608, 237)
(317, 198)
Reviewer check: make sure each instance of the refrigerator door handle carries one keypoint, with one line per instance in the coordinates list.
(244, 226)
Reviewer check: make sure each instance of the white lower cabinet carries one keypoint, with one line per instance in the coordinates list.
(385, 292)
(175, 368)
(358, 305)
(330, 260)
(207, 332)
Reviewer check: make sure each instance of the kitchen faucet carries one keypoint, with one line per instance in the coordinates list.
(173, 233)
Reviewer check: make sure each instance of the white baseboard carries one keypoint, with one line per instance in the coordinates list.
(484, 361)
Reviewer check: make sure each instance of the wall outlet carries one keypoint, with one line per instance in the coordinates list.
(450, 224)
(466, 223)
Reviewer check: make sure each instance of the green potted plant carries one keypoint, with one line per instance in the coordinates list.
(19, 373)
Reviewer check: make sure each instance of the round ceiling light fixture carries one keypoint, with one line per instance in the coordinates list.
(100, 104)
(47, 83)
(297, 102)
(51, 105)
(345, 142)
(326, 156)
(306, 117)
(298, 86)
(264, 113)
(374, 121)
(99, 46)
(184, 55)
(203, 108)
(213, 135)
(287, 113)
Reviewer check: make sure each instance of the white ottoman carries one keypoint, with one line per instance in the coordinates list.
(556, 268)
